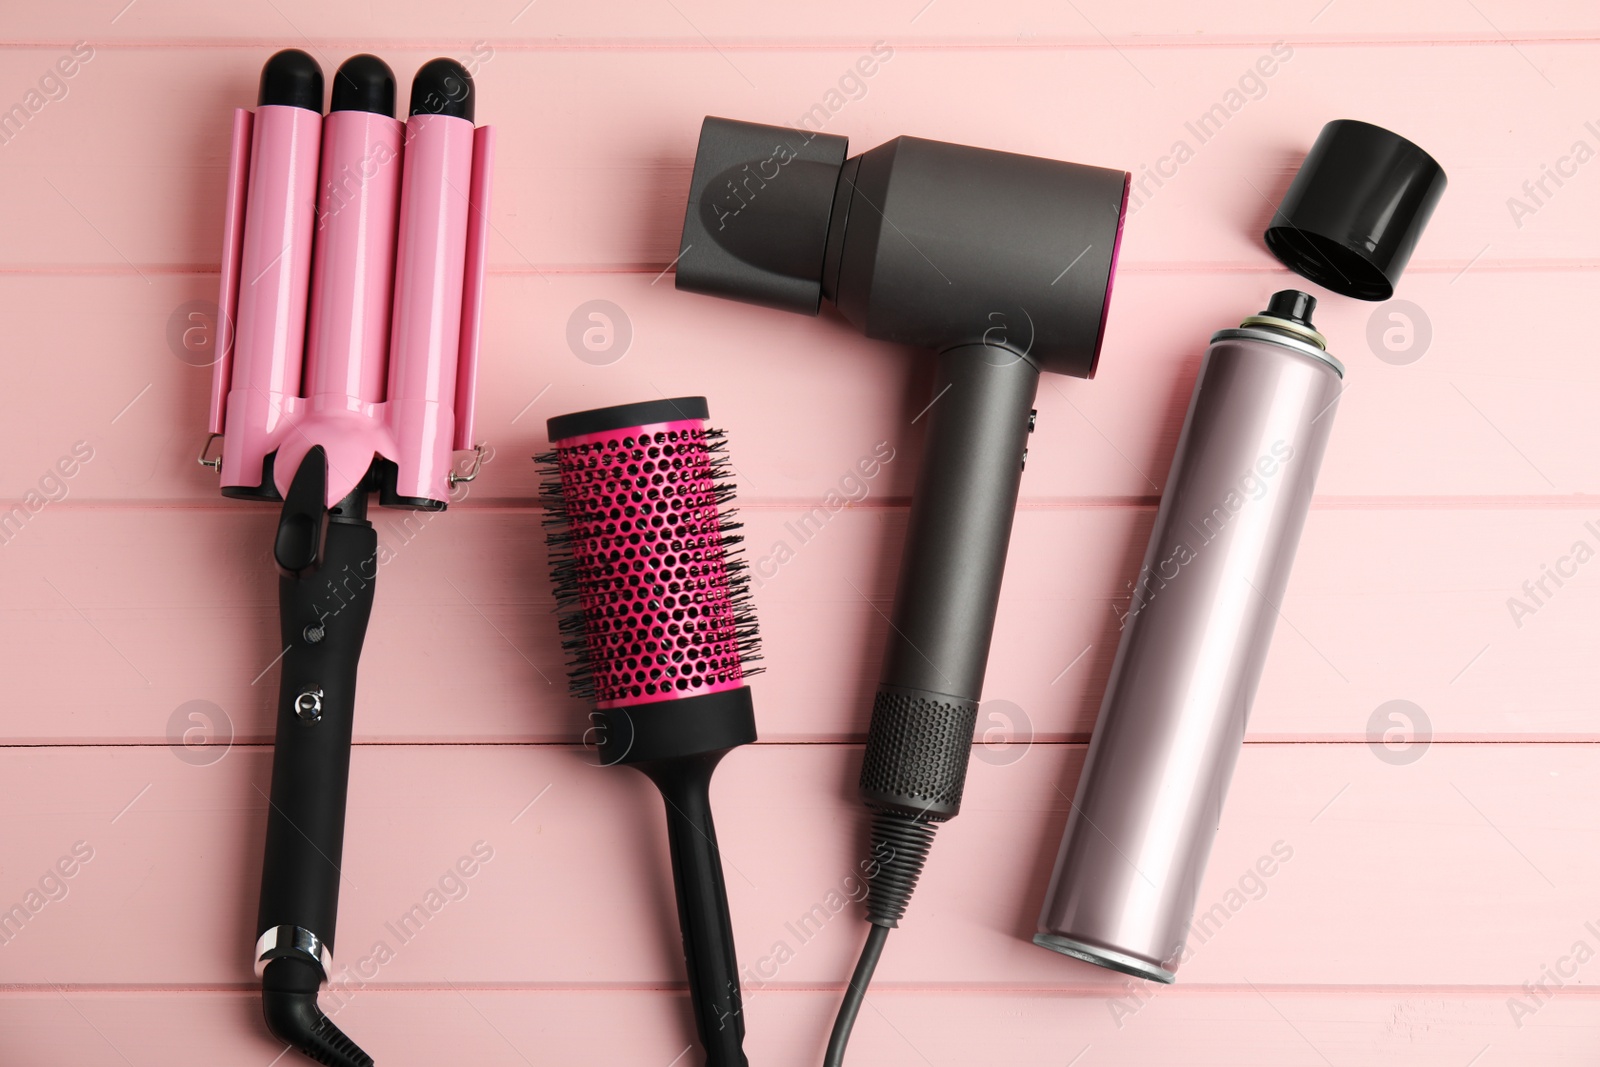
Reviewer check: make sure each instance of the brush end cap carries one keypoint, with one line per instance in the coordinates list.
(626, 416)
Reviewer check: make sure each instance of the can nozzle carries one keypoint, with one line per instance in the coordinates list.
(1289, 311)
(1293, 305)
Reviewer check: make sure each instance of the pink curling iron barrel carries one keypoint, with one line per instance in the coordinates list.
(352, 276)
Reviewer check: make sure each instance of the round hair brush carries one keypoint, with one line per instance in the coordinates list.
(656, 617)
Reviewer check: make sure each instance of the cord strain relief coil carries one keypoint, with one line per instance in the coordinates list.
(900, 845)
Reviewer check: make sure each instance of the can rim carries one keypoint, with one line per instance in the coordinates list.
(1104, 957)
(1240, 333)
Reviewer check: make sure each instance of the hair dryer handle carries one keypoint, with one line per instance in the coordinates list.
(708, 949)
(954, 557)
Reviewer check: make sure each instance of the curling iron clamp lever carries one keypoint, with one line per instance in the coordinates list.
(214, 464)
(472, 473)
(303, 527)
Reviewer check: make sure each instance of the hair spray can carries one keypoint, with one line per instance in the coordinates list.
(1194, 640)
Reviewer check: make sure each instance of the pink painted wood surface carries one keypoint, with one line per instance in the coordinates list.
(1485, 412)
(512, 1028)
(111, 189)
(463, 646)
(1421, 897)
(1384, 864)
(687, 24)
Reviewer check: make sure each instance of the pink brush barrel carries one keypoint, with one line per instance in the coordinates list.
(652, 575)
(265, 289)
(428, 296)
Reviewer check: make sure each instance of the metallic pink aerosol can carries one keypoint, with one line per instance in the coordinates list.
(1194, 638)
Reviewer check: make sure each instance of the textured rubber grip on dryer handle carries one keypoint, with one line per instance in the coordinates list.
(942, 621)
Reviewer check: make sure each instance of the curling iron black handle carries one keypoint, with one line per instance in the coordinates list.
(950, 571)
(324, 618)
(708, 950)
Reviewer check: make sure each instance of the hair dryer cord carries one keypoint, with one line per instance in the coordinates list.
(854, 995)
(900, 845)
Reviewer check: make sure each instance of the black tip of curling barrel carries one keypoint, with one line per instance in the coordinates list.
(292, 79)
(364, 83)
(443, 87)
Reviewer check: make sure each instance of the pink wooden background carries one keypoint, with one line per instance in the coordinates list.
(1434, 885)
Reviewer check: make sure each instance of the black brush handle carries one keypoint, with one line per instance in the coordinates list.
(708, 951)
(679, 743)
(942, 621)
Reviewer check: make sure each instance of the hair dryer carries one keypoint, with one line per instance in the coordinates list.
(1002, 265)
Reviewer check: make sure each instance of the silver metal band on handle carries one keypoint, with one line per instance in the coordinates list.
(280, 941)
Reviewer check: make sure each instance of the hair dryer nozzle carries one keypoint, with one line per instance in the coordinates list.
(917, 242)
(760, 203)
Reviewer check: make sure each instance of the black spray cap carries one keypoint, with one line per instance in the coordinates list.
(759, 205)
(293, 79)
(443, 87)
(364, 83)
(1353, 213)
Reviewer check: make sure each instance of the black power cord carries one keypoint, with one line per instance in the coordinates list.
(900, 845)
(853, 996)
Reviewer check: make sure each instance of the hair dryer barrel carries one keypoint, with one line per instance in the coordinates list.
(1194, 640)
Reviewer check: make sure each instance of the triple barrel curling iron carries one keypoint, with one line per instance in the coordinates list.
(352, 280)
